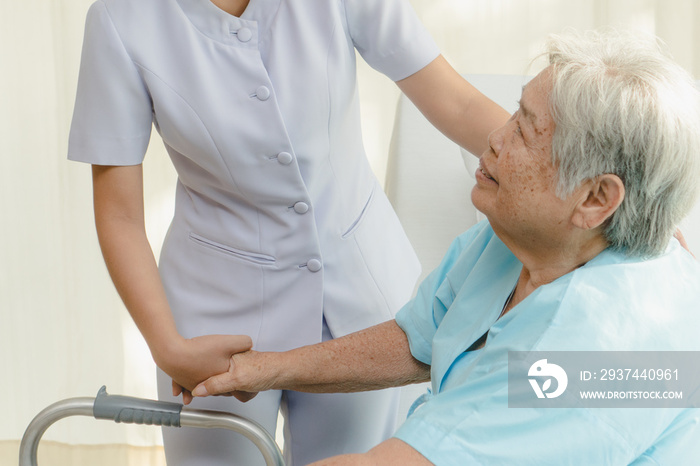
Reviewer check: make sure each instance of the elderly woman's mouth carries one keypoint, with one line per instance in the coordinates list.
(484, 175)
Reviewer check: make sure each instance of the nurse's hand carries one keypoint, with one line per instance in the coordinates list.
(189, 361)
(681, 239)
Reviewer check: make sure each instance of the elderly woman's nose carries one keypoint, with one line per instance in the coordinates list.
(496, 140)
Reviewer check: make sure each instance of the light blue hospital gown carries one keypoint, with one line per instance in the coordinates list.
(611, 303)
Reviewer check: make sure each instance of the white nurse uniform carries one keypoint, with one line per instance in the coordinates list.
(279, 223)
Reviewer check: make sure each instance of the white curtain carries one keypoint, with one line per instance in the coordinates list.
(64, 331)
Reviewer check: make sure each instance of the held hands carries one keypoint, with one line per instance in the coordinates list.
(248, 374)
(189, 361)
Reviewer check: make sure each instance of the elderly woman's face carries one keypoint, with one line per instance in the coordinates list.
(516, 181)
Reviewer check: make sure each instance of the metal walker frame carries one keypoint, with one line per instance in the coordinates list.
(132, 410)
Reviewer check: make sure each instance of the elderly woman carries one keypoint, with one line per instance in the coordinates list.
(583, 188)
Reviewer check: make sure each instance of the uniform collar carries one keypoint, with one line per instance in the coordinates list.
(220, 26)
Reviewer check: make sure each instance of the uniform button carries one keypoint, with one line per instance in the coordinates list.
(262, 93)
(285, 158)
(314, 265)
(244, 34)
(301, 207)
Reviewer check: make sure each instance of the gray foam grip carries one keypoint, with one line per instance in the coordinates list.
(131, 410)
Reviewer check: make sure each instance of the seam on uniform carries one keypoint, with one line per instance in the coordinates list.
(330, 115)
(213, 142)
(374, 280)
(199, 119)
(126, 52)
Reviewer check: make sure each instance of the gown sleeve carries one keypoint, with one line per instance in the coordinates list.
(390, 37)
(113, 112)
(422, 315)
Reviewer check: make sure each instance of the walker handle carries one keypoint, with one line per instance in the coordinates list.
(139, 411)
(131, 410)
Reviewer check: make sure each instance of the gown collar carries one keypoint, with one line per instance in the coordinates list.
(477, 305)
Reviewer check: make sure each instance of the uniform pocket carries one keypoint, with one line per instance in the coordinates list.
(254, 257)
(356, 223)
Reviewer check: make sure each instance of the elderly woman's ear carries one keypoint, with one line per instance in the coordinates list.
(599, 199)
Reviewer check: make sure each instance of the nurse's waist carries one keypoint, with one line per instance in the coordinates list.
(275, 247)
(273, 217)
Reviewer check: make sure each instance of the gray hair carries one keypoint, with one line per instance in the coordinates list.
(622, 106)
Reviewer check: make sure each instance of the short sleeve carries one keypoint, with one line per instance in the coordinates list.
(417, 320)
(421, 317)
(390, 37)
(112, 118)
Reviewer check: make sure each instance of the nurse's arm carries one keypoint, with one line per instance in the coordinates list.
(371, 359)
(119, 218)
(454, 106)
(392, 452)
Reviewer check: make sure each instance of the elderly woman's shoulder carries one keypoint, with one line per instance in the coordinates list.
(635, 303)
(675, 259)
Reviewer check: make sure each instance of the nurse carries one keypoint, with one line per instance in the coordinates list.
(280, 231)
(583, 188)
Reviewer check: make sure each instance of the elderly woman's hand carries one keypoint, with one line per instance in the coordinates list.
(248, 373)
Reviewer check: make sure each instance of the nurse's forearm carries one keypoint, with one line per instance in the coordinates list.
(454, 106)
(119, 218)
(375, 358)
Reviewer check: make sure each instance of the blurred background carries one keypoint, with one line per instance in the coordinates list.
(63, 329)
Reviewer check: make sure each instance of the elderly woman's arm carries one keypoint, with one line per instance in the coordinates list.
(392, 452)
(374, 358)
